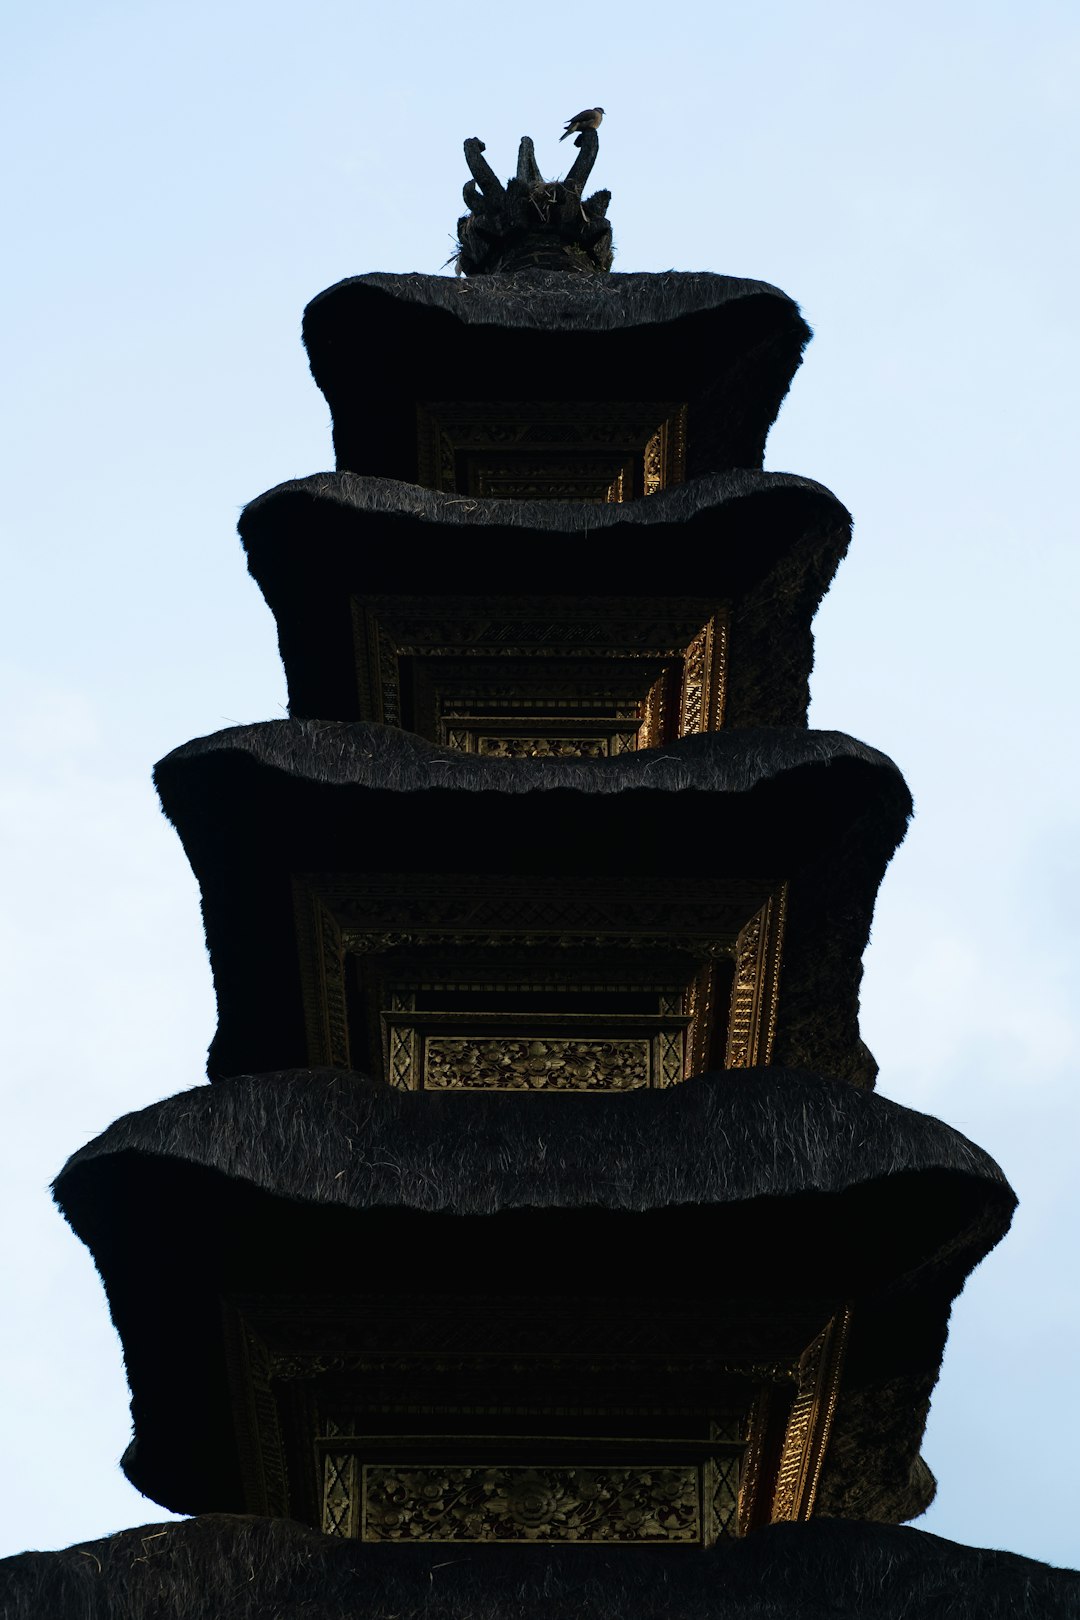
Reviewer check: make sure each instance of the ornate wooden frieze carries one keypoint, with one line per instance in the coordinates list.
(752, 1016)
(577, 451)
(699, 661)
(495, 737)
(472, 984)
(460, 1424)
(809, 1423)
(519, 1503)
(536, 677)
(692, 1503)
(502, 1063)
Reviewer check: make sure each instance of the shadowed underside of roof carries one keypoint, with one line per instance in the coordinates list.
(726, 348)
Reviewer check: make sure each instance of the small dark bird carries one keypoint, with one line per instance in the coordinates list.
(589, 119)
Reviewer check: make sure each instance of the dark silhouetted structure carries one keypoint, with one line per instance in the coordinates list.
(539, 1245)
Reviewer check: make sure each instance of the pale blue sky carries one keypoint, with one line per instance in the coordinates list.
(182, 179)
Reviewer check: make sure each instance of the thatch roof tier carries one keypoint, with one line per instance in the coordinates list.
(257, 805)
(380, 344)
(784, 1572)
(801, 1187)
(766, 545)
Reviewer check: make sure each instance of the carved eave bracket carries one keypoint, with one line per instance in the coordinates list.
(533, 223)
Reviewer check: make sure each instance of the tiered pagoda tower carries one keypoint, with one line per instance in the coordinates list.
(539, 1239)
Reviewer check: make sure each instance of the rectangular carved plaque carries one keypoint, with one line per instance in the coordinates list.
(515, 1503)
(568, 744)
(500, 1063)
(523, 478)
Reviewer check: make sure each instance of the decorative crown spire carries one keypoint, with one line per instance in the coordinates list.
(533, 223)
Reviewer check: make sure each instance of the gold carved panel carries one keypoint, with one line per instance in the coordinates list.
(809, 1424)
(546, 450)
(557, 1063)
(752, 1015)
(494, 737)
(690, 1503)
(588, 987)
(529, 1504)
(491, 1049)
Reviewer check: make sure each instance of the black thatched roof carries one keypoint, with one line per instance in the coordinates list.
(807, 1187)
(256, 804)
(381, 757)
(768, 543)
(272, 1569)
(379, 343)
(331, 1138)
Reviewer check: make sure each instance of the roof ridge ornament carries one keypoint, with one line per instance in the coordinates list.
(532, 223)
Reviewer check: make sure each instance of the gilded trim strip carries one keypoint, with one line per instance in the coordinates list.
(809, 1424)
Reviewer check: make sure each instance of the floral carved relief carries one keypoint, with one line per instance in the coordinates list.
(531, 1504)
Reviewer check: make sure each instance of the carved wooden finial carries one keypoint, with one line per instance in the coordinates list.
(533, 223)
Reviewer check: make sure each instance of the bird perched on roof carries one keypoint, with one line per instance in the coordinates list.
(589, 119)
